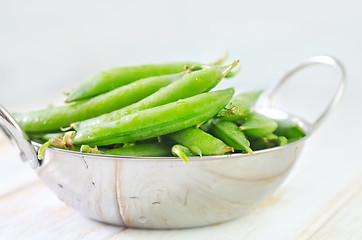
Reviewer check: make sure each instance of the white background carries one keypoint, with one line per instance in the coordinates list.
(48, 47)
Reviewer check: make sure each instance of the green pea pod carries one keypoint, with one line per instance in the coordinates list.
(208, 144)
(48, 136)
(278, 140)
(42, 148)
(282, 140)
(181, 152)
(116, 77)
(156, 121)
(196, 150)
(229, 133)
(271, 137)
(45, 137)
(189, 85)
(269, 141)
(52, 119)
(289, 129)
(260, 143)
(142, 150)
(239, 106)
(258, 125)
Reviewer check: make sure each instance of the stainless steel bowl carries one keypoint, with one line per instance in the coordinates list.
(151, 192)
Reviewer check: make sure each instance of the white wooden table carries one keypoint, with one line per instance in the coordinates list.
(321, 199)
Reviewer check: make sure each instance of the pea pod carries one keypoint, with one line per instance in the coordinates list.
(189, 85)
(289, 129)
(260, 143)
(220, 61)
(229, 133)
(271, 137)
(116, 77)
(196, 150)
(239, 106)
(282, 140)
(46, 137)
(257, 125)
(181, 152)
(52, 119)
(156, 121)
(142, 150)
(208, 144)
(268, 141)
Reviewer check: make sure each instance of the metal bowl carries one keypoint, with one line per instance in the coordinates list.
(163, 192)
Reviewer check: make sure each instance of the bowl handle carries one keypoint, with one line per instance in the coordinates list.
(18, 137)
(269, 97)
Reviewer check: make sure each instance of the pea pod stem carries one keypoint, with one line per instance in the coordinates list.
(42, 148)
(220, 60)
(88, 149)
(181, 152)
(65, 142)
(234, 72)
(228, 68)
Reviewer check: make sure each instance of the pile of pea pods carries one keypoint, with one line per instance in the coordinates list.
(158, 110)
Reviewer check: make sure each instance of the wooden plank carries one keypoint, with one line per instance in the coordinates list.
(33, 212)
(336, 204)
(346, 223)
(14, 172)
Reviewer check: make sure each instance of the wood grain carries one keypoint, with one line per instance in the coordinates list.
(346, 223)
(13, 172)
(33, 212)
